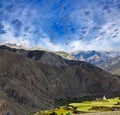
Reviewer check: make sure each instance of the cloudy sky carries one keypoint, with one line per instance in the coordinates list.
(66, 25)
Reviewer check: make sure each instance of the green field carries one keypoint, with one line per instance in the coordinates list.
(111, 104)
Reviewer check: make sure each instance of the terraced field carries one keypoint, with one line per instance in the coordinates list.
(95, 106)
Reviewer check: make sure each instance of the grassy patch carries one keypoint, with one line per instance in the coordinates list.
(84, 107)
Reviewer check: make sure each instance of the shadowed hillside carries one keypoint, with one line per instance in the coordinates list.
(33, 80)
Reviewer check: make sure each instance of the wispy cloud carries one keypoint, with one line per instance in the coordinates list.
(66, 25)
(47, 44)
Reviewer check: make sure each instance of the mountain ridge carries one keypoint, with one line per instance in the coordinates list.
(33, 80)
(112, 65)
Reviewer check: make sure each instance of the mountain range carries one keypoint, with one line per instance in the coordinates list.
(32, 80)
(112, 65)
(107, 60)
(95, 57)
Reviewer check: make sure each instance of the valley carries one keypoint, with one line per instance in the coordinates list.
(94, 106)
(32, 80)
(59, 57)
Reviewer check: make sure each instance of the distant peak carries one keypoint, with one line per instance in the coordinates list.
(16, 46)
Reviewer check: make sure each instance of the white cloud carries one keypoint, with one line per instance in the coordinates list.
(35, 18)
(47, 44)
(9, 37)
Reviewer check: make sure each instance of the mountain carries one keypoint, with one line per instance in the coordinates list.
(33, 80)
(65, 55)
(95, 57)
(107, 60)
(16, 46)
(112, 65)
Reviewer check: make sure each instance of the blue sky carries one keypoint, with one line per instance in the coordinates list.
(66, 25)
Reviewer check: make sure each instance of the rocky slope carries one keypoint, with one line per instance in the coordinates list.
(65, 55)
(95, 57)
(112, 65)
(33, 80)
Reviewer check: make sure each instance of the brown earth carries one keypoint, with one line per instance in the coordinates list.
(33, 80)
